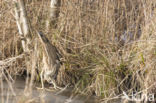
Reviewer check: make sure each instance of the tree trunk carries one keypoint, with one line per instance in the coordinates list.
(53, 14)
(22, 24)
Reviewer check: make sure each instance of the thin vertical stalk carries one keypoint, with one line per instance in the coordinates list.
(53, 14)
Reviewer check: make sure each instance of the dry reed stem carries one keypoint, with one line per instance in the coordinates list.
(97, 61)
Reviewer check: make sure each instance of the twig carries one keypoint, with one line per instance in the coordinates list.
(6, 62)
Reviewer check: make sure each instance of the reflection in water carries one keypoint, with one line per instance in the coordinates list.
(38, 96)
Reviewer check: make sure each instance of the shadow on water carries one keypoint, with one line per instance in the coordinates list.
(39, 96)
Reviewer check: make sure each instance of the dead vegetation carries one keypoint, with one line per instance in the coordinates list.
(108, 47)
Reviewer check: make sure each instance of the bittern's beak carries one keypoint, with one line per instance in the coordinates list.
(39, 34)
(42, 37)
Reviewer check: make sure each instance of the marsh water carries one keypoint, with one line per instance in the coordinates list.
(16, 94)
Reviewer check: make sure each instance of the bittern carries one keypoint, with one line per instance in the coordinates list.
(51, 60)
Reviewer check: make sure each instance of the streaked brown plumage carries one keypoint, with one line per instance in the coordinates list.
(51, 60)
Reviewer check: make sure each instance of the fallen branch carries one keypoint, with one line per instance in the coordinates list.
(8, 61)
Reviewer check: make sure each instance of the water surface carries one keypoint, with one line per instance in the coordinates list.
(17, 94)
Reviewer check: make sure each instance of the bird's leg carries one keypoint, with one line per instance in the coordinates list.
(54, 84)
(42, 81)
(63, 89)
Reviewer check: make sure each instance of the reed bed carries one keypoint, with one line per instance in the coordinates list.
(108, 47)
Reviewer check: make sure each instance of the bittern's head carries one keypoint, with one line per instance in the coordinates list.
(42, 37)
